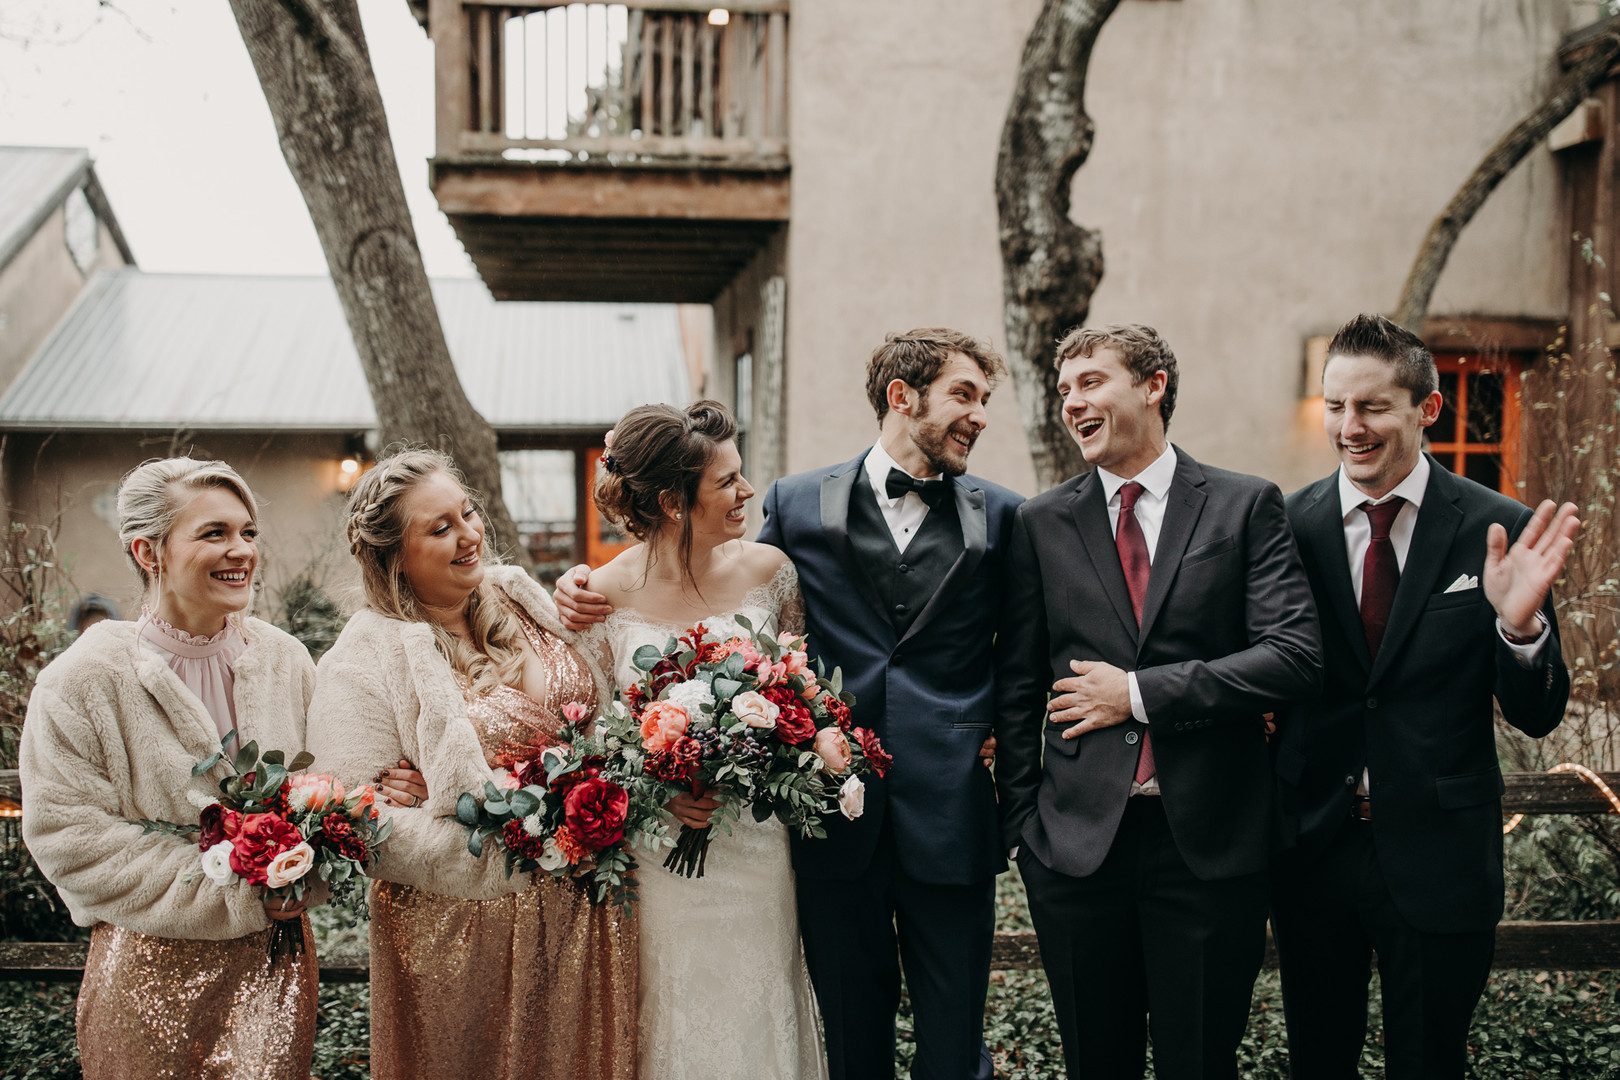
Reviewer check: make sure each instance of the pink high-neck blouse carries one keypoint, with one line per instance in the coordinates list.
(207, 665)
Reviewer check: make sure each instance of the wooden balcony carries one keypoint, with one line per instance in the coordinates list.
(635, 151)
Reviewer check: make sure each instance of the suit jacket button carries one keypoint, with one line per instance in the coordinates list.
(904, 569)
(899, 609)
(1350, 781)
(1132, 737)
(1372, 703)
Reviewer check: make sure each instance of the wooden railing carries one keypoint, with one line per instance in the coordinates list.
(1535, 946)
(639, 81)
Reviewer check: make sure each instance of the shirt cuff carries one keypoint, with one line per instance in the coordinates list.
(1525, 654)
(1138, 710)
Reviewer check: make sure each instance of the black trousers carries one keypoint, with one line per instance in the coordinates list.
(857, 936)
(1329, 916)
(1143, 944)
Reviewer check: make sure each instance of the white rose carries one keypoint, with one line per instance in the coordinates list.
(755, 709)
(289, 866)
(551, 856)
(533, 825)
(692, 696)
(852, 798)
(216, 863)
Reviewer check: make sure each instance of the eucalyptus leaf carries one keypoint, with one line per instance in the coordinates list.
(743, 621)
(726, 688)
(466, 810)
(522, 803)
(475, 843)
(205, 764)
(302, 761)
(497, 807)
(647, 657)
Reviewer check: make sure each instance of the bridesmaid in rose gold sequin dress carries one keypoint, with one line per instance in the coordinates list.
(463, 668)
(539, 981)
(178, 984)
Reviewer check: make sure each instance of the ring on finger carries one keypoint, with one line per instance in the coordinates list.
(416, 800)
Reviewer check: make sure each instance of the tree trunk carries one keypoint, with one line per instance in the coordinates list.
(1050, 266)
(312, 63)
(1442, 236)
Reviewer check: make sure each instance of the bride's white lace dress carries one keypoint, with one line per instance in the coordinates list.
(724, 991)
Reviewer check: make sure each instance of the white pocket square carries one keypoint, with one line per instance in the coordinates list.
(1463, 583)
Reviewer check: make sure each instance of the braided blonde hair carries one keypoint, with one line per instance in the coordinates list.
(376, 531)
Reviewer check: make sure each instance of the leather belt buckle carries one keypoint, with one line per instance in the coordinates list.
(1361, 808)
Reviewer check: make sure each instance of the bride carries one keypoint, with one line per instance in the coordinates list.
(724, 989)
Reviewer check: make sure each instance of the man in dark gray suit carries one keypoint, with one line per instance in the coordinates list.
(1165, 603)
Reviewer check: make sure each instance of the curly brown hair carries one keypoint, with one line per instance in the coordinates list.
(917, 357)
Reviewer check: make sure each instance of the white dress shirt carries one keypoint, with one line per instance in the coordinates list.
(1149, 510)
(905, 514)
(1358, 537)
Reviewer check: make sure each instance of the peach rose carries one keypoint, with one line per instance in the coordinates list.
(662, 722)
(796, 661)
(360, 802)
(833, 749)
(289, 866)
(311, 791)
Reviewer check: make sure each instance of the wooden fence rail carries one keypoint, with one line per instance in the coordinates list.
(1535, 946)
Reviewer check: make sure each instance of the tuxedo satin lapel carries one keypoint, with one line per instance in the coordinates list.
(975, 536)
(1090, 509)
(1183, 506)
(1323, 534)
(836, 490)
(1439, 518)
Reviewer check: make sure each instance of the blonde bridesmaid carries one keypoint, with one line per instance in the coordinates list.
(177, 982)
(462, 666)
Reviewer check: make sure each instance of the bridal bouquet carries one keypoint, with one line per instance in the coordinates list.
(731, 712)
(283, 829)
(561, 813)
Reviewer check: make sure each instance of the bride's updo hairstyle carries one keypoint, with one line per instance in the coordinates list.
(651, 474)
(152, 495)
(375, 526)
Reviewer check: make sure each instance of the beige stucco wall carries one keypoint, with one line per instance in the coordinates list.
(37, 287)
(72, 478)
(1262, 170)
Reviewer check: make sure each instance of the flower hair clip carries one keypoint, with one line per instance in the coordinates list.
(608, 464)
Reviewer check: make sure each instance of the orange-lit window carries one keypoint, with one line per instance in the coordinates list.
(603, 540)
(1479, 430)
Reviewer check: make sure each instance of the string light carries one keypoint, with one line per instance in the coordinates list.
(1586, 774)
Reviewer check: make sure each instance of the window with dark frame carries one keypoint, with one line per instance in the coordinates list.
(1479, 433)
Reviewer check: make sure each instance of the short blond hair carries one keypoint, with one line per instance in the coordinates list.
(151, 496)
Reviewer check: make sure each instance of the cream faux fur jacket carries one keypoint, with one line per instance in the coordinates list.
(385, 692)
(111, 736)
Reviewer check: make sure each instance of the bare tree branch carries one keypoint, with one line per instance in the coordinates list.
(1050, 266)
(1560, 101)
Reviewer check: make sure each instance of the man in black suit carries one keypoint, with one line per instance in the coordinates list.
(1390, 774)
(1165, 602)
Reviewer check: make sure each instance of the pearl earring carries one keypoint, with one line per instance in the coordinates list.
(677, 515)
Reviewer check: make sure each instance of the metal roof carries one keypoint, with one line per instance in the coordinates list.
(33, 182)
(213, 352)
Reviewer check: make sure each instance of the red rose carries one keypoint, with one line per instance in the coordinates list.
(676, 763)
(262, 838)
(520, 842)
(795, 724)
(838, 711)
(594, 810)
(876, 756)
(338, 834)
(218, 824)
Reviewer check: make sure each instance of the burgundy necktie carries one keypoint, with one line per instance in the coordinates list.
(1380, 572)
(1133, 559)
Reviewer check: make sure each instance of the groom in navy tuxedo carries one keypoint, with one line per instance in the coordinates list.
(900, 557)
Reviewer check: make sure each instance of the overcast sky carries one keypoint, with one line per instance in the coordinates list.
(164, 97)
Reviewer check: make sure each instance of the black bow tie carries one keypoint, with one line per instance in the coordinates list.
(930, 492)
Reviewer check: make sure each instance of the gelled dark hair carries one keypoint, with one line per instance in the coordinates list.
(1382, 339)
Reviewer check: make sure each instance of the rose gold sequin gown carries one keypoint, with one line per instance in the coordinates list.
(157, 1008)
(184, 1009)
(537, 985)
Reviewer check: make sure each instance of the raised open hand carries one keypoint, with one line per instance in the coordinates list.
(1516, 579)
